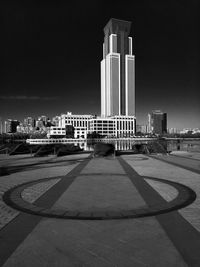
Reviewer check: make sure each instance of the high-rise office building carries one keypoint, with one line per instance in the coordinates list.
(157, 122)
(117, 70)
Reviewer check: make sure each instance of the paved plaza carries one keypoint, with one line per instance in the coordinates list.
(79, 210)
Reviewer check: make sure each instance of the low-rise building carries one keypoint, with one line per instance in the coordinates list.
(67, 132)
(56, 132)
(116, 126)
(80, 132)
(75, 120)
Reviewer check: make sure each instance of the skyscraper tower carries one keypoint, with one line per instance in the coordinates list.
(157, 122)
(117, 70)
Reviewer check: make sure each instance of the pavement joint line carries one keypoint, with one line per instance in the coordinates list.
(176, 164)
(183, 235)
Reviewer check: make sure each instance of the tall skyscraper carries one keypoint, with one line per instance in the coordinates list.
(157, 122)
(117, 70)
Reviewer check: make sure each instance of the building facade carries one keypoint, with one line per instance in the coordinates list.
(115, 126)
(157, 122)
(11, 126)
(64, 132)
(56, 121)
(102, 126)
(29, 121)
(117, 70)
(75, 120)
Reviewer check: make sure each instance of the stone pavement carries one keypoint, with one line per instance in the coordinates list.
(99, 189)
(30, 169)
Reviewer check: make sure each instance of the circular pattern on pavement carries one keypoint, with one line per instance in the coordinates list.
(13, 198)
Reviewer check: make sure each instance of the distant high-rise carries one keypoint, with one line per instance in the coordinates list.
(11, 126)
(29, 121)
(117, 70)
(157, 122)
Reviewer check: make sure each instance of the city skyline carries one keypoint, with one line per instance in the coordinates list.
(51, 65)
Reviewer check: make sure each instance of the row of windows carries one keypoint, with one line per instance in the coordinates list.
(124, 132)
(86, 123)
(78, 119)
(102, 129)
(48, 141)
(58, 132)
(80, 132)
(103, 126)
(55, 128)
(80, 129)
(106, 132)
(75, 117)
(77, 123)
(125, 125)
(104, 122)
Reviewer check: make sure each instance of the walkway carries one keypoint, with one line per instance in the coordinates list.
(100, 214)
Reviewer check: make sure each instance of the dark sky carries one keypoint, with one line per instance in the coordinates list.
(51, 52)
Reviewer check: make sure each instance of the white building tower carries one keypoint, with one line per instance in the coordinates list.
(117, 70)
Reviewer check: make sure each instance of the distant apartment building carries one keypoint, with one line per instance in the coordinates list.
(173, 131)
(21, 128)
(157, 122)
(29, 121)
(28, 125)
(11, 126)
(56, 121)
(39, 124)
(42, 121)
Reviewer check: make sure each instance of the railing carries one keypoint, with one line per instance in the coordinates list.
(71, 140)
